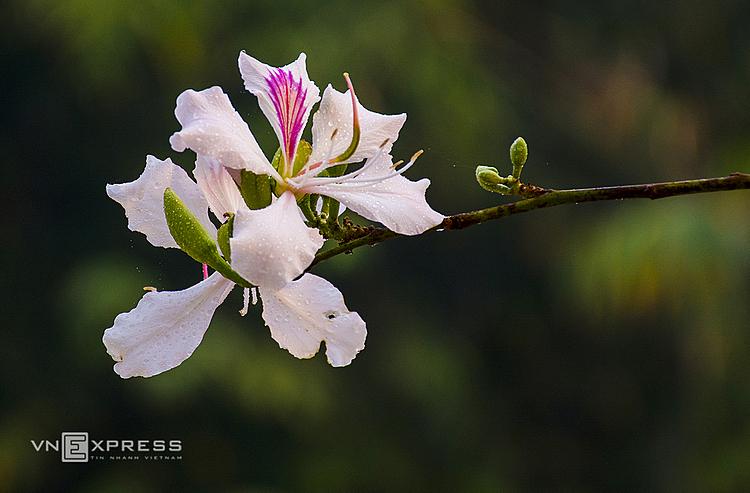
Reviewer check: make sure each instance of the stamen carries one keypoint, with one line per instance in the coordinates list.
(150, 289)
(205, 271)
(254, 292)
(320, 180)
(348, 180)
(356, 133)
(245, 301)
(327, 160)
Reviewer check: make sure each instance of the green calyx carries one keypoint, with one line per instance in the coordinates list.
(193, 239)
(304, 149)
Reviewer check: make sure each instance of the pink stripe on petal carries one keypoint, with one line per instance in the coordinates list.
(288, 97)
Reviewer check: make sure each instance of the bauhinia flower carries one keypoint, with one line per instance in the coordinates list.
(167, 326)
(343, 133)
(264, 240)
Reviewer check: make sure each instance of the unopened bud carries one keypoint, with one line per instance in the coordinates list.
(519, 152)
(489, 179)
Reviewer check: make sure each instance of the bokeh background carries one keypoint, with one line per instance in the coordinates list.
(600, 347)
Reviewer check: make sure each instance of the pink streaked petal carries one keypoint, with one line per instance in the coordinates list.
(285, 94)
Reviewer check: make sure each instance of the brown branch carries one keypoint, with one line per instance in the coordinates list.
(540, 198)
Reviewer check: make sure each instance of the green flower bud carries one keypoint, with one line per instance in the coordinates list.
(519, 152)
(489, 179)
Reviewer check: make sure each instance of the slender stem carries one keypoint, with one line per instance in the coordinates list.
(542, 198)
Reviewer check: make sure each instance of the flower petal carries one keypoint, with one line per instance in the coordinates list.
(273, 245)
(396, 202)
(143, 200)
(212, 128)
(218, 187)
(335, 114)
(285, 94)
(311, 310)
(164, 328)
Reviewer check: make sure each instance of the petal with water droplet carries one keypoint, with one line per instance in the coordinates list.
(309, 311)
(285, 95)
(218, 187)
(273, 245)
(335, 114)
(164, 328)
(143, 200)
(396, 202)
(213, 129)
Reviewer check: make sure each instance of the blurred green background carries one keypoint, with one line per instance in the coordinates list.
(601, 347)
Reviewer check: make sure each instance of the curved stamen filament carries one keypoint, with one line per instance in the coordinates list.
(350, 181)
(396, 172)
(356, 133)
(327, 160)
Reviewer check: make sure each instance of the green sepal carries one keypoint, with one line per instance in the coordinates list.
(331, 208)
(222, 237)
(192, 238)
(255, 189)
(304, 205)
(278, 160)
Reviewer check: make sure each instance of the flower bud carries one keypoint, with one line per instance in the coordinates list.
(489, 179)
(519, 152)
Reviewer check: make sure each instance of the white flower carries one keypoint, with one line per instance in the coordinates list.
(343, 132)
(166, 326)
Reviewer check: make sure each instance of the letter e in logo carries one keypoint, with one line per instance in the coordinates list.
(75, 446)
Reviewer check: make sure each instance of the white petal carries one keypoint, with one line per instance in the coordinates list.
(311, 310)
(143, 200)
(218, 187)
(164, 328)
(212, 128)
(335, 113)
(273, 245)
(397, 203)
(285, 94)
